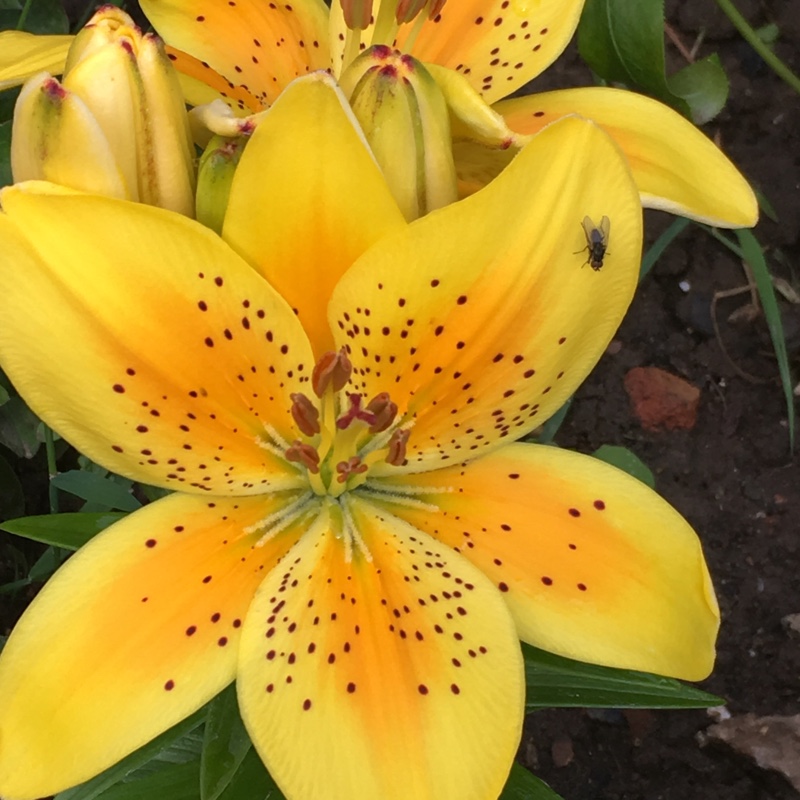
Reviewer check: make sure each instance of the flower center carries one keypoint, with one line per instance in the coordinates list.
(343, 434)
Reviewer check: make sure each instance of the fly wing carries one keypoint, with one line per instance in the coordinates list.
(605, 228)
(589, 229)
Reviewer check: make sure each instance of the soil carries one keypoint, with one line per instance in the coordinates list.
(732, 476)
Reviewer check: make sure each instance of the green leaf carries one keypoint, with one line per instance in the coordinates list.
(225, 745)
(623, 42)
(658, 247)
(69, 531)
(154, 749)
(18, 427)
(755, 258)
(95, 488)
(624, 459)
(12, 498)
(252, 782)
(704, 86)
(524, 785)
(554, 423)
(37, 16)
(5, 162)
(170, 781)
(556, 682)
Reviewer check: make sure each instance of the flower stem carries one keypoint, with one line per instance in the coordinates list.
(741, 24)
(52, 468)
(24, 14)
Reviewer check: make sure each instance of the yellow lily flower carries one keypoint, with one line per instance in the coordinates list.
(116, 125)
(353, 538)
(479, 52)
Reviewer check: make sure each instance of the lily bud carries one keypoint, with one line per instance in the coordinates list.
(405, 119)
(115, 125)
(214, 178)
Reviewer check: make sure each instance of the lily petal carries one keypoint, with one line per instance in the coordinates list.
(676, 167)
(477, 312)
(594, 565)
(201, 85)
(135, 632)
(498, 45)
(170, 353)
(400, 673)
(324, 196)
(261, 47)
(25, 54)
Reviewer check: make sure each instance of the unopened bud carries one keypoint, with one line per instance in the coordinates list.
(405, 120)
(119, 127)
(214, 178)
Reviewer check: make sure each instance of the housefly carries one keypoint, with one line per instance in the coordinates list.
(596, 241)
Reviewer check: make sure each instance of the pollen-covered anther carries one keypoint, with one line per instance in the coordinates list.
(304, 454)
(305, 414)
(352, 466)
(357, 13)
(407, 10)
(397, 447)
(354, 412)
(384, 410)
(333, 369)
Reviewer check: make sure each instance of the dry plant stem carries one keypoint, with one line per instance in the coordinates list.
(752, 38)
(679, 45)
(750, 287)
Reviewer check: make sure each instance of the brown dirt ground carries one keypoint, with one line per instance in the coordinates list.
(732, 476)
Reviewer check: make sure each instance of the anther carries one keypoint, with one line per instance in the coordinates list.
(384, 411)
(305, 454)
(332, 369)
(397, 447)
(357, 13)
(352, 466)
(305, 414)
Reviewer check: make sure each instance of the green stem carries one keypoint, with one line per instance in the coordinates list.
(741, 24)
(52, 468)
(24, 14)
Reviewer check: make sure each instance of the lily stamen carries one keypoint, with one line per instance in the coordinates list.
(305, 414)
(305, 454)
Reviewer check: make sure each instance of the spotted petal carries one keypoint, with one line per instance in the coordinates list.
(134, 633)
(594, 565)
(258, 46)
(201, 85)
(482, 318)
(393, 676)
(324, 198)
(24, 54)
(498, 45)
(146, 342)
(676, 168)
